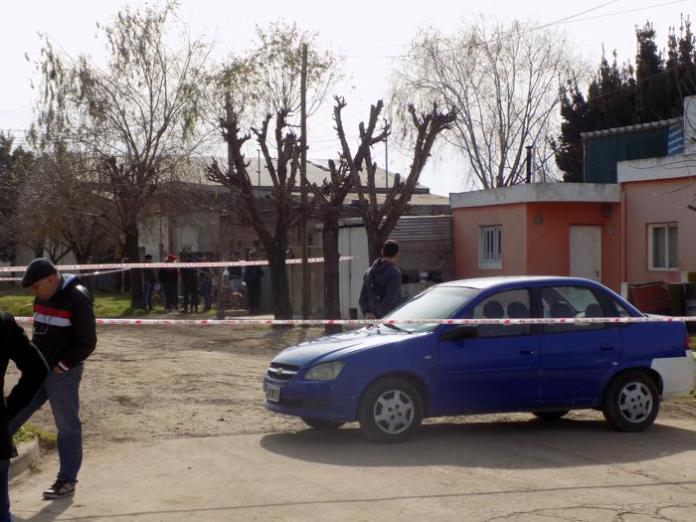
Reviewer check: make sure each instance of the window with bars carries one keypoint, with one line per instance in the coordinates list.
(663, 247)
(490, 247)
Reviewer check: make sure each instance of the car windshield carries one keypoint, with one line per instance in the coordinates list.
(438, 302)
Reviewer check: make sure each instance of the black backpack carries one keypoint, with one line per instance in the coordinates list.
(375, 292)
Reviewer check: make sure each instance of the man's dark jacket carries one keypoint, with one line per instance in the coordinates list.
(381, 290)
(15, 347)
(64, 326)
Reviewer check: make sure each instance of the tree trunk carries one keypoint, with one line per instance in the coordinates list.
(282, 309)
(133, 254)
(82, 259)
(220, 298)
(332, 300)
(375, 241)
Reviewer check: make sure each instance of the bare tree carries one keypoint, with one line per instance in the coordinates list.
(34, 225)
(15, 164)
(264, 85)
(380, 218)
(503, 82)
(137, 117)
(272, 216)
(62, 209)
(329, 197)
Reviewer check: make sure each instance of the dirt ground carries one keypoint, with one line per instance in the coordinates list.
(157, 383)
(175, 430)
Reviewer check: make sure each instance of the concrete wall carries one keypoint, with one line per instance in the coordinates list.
(154, 236)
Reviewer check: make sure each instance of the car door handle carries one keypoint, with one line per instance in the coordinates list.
(606, 349)
(526, 351)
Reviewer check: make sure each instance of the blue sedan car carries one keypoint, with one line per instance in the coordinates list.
(391, 376)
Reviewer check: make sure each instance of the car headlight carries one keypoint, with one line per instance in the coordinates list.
(325, 371)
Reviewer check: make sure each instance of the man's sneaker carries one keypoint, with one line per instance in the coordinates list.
(60, 489)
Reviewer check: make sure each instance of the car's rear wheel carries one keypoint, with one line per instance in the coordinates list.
(632, 402)
(549, 415)
(322, 424)
(390, 410)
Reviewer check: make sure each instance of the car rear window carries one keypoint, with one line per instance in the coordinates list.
(570, 302)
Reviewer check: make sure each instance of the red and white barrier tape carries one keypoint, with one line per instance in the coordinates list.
(368, 322)
(197, 264)
(89, 274)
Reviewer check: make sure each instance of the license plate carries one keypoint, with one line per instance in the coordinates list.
(272, 393)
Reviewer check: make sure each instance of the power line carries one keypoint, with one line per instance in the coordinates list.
(567, 18)
(607, 15)
(561, 21)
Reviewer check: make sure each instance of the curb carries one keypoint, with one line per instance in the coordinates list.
(29, 455)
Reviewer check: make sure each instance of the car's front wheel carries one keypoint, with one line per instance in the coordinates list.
(390, 410)
(322, 424)
(632, 402)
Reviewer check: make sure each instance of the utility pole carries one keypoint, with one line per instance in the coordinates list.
(306, 296)
(232, 232)
(386, 162)
(258, 165)
(529, 163)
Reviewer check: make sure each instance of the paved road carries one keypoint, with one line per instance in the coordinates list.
(514, 471)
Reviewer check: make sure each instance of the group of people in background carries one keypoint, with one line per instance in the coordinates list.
(64, 335)
(197, 284)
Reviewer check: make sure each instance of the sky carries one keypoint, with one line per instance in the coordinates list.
(369, 35)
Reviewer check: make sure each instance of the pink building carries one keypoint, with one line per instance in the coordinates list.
(640, 229)
(659, 242)
(539, 229)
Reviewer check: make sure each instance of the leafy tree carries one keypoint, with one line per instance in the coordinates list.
(137, 117)
(618, 96)
(610, 103)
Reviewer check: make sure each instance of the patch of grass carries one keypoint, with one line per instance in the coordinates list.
(19, 303)
(114, 305)
(29, 432)
(106, 304)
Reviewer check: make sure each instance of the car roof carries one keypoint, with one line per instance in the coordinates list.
(491, 282)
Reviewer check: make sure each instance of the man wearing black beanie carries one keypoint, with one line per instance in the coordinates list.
(65, 333)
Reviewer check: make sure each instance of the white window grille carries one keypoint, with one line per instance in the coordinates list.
(663, 247)
(490, 247)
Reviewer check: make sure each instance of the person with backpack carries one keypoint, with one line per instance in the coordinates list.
(381, 290)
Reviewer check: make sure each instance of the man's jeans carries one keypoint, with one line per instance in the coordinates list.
(5, 515)
(148, 289)
(62, 392)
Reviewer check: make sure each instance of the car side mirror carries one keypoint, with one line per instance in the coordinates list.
(463, 331)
